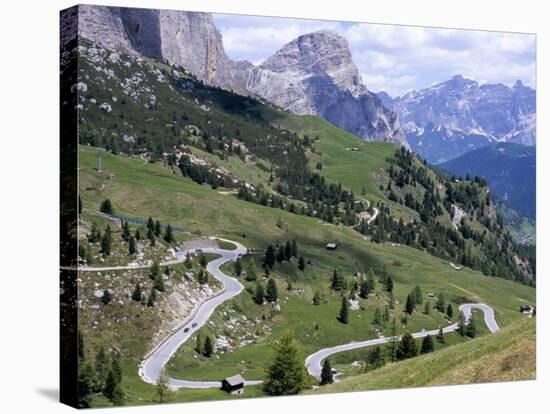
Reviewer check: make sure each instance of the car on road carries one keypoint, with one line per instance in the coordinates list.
(186, 330)
(194, 325)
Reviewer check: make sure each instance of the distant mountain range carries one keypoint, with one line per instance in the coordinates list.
(510, 170)
(454, 117)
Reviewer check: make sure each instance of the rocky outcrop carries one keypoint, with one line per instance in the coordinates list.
(314, 74)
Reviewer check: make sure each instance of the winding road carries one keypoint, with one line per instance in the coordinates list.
(154, 362)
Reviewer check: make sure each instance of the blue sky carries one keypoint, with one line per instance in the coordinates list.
(395, 59)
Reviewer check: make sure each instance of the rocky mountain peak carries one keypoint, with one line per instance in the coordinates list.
(324, 52)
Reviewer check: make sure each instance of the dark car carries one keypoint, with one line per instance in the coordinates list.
(194, 325)
(186, 330)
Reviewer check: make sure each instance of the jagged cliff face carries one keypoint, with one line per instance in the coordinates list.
(314, 74)
(185, 39)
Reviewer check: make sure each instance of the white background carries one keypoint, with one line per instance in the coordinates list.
(29, 203)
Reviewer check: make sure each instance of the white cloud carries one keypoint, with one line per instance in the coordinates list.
(391, 57)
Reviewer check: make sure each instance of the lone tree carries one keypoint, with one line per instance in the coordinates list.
(203, 261)
(151, 236)
(326, 373)
(286, 374)
(208, 347)
(471, 328)
(450, 311)
(125, 231)
(388, 284)
(259, 294)
(337, 281)
(364, 289)
(301, 263)
(152, 298)
(132, 245)
(407, 347)
(106, 206)
(427, 308)
(371, 281)
(162, 387)
(316, 299)
(157, 228)
(461, 324)
(271, 291)
(137, 294)
(409, 305)
(375, 358)
(238, 267)
(169, 234)
(106, 298)
(440, 303)
(344, 311)
(106, 241)
(427, 345)
(418, 295)
(269, 257)
(440, 336)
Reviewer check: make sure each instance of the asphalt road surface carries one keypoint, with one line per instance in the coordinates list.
(315, 360)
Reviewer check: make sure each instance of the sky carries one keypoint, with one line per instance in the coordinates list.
(391, 58)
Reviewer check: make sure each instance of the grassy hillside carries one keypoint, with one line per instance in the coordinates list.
(143, 189)
(508, 355)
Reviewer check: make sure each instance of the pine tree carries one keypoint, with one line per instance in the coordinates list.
(125, 231)
(407, 347)
(107, 297)
(286, 374)
(159, 283)
(157, 228)
(294, 248)
(208, 347)
(188, 261)
(155, 270)
(137, 294)
(118, 396)
(326, 373)
(151, 237)
(301, 263)
(316, 299)
(427, 345)
(388, 284)
(450, 311)
(375, 358)
(199, 347)
(252, 271)
(288, 251)
(101, 369)
(132, 246)
(137, 235)
(106, 242)
(106, 207)
(440, 303)
(344, 311)
(259, 294)
(271, 291)
(110, 385)
(371, 281)
(377, 320)
(152, 298)
(150, 224)
(203, 261)
(461, 324)
(162, 388)
(269, 257)
(386, 313)
(409, 305)
(337, 281)
(471, 328)
(168, 234)
(427, 308)
(418, 295)
(364, 289)
(116, 368)
(440, 336)
(85, 385)
(238, 267)
(394, 341)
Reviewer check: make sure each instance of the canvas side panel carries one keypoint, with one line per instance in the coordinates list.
(68, 213)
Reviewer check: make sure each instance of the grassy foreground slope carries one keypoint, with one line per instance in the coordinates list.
(508, 355)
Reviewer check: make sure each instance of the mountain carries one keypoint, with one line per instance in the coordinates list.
(186, 39)
(314, 74)
(453, 117)
(510, 170)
